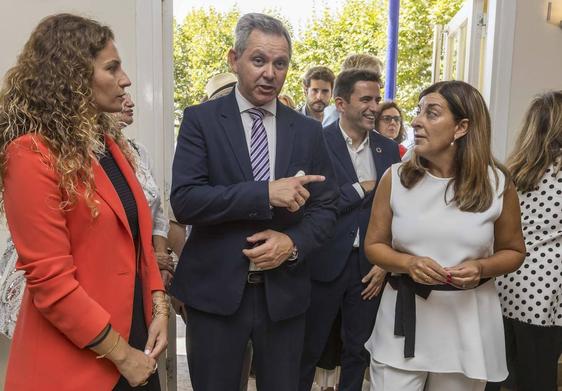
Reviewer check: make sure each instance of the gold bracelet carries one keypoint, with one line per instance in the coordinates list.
(161, 307)
(110, 350)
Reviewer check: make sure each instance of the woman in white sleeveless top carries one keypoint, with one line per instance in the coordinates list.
(444, 223)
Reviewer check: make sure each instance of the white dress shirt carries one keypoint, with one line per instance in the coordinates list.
(364, 165)
(270, 128)
(268, 121)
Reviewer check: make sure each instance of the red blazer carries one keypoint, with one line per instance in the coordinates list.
(80, 271)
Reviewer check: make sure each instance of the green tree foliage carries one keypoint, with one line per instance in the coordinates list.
(329, 38)
(201, 44)
(415, 45)
(203, 38)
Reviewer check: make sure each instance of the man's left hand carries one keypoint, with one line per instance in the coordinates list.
(275, 248)
(374, 280)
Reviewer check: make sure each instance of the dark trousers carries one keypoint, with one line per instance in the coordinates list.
(532, 356)
(216, 346)
(358, 319)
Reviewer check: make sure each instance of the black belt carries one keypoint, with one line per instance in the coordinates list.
(255, 278)
(405, 311)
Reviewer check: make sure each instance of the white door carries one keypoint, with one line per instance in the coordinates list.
(459, 46)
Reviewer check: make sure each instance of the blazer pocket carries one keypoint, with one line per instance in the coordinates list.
(303, 166)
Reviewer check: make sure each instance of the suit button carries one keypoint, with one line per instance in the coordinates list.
(352, 234)
(253, 214)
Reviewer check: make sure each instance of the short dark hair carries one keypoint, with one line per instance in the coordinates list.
(319, 73)
(261, 22)
(392, 105)
(345, 83)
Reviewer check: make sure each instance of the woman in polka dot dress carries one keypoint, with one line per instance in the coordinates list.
(531, 297)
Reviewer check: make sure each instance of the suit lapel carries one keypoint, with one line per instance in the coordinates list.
(285, 137)
(378, 154)
(340, 150)
(231, 123)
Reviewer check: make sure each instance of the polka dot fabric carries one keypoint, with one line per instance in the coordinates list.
(533, 294)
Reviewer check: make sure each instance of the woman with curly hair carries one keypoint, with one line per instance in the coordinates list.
(444, 223)
(93, 314)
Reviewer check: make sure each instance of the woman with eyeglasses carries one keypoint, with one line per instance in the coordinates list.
(389, 123)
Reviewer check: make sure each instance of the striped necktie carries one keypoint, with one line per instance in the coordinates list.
(259, 153)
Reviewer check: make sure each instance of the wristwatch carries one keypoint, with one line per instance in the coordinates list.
(294, 254)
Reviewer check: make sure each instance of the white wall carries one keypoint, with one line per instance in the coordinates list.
(144, 39)
(18, 18)
(536, 62)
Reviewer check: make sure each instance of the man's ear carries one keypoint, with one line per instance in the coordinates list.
(340, 104)
(461, 129)
(232, 57)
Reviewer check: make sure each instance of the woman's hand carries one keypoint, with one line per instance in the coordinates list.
(466, 275)
(157, 337)
(134, 365)
(425, 270)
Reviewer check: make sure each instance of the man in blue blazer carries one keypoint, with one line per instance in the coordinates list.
(242, 177)
(342, 276)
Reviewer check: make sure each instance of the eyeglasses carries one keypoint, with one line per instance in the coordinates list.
(389, 118)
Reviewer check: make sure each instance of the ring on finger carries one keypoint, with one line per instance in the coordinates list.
(143, 384)
(155, 368)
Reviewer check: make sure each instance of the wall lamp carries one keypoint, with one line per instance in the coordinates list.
(554, 13)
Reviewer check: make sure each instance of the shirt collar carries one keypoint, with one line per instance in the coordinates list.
(244, 104)
(349, 141)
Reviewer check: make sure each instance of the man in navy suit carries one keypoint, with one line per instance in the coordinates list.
(242, 179)
(342, 276)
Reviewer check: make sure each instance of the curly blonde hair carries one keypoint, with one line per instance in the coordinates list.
(48, 93)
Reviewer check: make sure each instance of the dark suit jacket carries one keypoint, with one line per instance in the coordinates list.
(353, 212)
(214, 191)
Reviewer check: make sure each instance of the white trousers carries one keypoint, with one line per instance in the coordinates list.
(386, 378)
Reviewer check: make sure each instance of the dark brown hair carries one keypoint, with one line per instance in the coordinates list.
(318, 73)
(473, 157)
(346, 80)
(392, 105)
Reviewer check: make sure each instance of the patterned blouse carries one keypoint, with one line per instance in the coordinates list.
(533, 294)
(12, 281)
